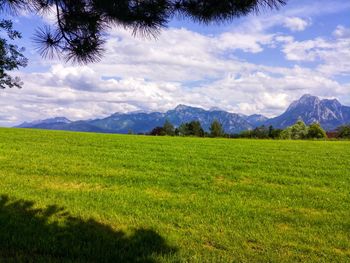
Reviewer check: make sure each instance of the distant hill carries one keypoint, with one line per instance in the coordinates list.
(329, 113)
(45, 123)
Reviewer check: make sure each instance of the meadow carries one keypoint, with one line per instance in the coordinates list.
(84, 197)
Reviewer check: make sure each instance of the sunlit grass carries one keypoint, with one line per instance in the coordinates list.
(211, 200)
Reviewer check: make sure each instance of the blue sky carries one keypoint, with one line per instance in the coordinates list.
(254, 64)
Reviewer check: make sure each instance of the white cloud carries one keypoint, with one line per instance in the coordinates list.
(341, 31)
(332, 55)
(252, 43)
(177, 55)
(295, 23)
(308, 50)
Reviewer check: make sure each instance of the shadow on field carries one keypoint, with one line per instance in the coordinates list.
(28, 234)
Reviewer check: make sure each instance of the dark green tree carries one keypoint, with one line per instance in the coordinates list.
(80, 26)
(11, 57)
(270, 131)
(216, 129)
(183, 129)
(245, 134)
(274, 133)
(315, 131)
(260, 132)
(196, 129)
(193, 128)
(157, 131)
(343, 132)
(168, 128)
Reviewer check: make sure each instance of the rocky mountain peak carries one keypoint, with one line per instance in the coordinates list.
(328, 112)
(58, 119)
(182, 107)
(332, 103)
(306, 100)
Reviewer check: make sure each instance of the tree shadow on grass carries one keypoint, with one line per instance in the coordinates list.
(28, 234)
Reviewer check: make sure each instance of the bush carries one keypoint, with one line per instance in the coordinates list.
(286, 134)
(315, 131)
(298, 131)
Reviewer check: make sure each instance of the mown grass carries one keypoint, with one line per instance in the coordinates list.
(69, 197)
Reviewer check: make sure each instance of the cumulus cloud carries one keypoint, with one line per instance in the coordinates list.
(332, 55)
(308, 50)
(177, 55)
(295, 23)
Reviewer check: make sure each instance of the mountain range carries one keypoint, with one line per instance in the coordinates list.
(329, 113)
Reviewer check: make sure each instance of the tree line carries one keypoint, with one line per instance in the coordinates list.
(298, 131)
(193, 128)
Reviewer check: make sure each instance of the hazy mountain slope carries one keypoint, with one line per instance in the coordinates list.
(329, 113)
(135, 122)
(51, 121)
(230, 121)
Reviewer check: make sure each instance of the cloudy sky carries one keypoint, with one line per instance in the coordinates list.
(255, 64)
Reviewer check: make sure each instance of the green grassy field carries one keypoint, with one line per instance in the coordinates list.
(75, 197)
